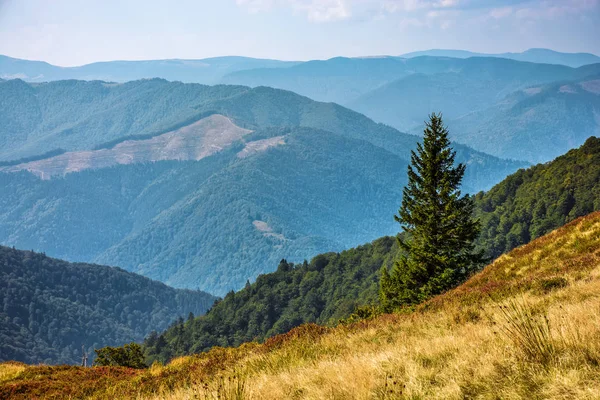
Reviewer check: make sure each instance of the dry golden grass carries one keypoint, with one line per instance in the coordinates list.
(527, 327)
(10, 370)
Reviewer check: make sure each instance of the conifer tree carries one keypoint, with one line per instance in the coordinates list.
(439, 229)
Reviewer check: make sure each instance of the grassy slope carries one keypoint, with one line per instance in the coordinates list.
(455, 346)
(523, 207)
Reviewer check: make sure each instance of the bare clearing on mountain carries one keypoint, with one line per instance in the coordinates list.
(591, 86)
(192, 142)
(260, 145)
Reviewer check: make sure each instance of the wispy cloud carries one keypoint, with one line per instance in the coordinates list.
(315, 10)
(423, 12)
(552, 9)
(501, 12)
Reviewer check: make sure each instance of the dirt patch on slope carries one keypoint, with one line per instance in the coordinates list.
(192, 142)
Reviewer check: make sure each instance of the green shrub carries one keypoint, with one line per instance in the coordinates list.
(547, 285)
(129, 355)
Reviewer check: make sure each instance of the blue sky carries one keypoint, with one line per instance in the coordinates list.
(74, 32)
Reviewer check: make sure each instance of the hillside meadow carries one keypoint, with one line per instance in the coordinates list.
(527, 326)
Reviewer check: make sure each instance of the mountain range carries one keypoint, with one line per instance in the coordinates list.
(398, 91)
(231, 188)
(542, 56)
(199, 186)
(212, 70)
(207, 71)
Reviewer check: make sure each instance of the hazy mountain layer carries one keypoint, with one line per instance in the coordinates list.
(310, 177)
(473, 86)
(544, 56)
(207, 71)
(535, 124)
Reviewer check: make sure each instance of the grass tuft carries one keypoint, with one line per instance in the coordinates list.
(528, 331)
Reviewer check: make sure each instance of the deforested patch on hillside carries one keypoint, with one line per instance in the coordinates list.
(592, 86)
(266, 230)
(195, 141)
(260, 145)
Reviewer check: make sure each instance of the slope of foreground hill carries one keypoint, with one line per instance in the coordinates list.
(51, 308)
(536, 200)
(525, 206)
(521, 328)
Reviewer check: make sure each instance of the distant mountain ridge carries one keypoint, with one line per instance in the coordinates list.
(212, 70)
(400, 92)
(537, 123)
(545, 56)
(207, 71)
(393, 90)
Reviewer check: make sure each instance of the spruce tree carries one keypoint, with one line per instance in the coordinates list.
(439, 228)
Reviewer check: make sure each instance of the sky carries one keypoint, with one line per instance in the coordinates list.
(76, 32)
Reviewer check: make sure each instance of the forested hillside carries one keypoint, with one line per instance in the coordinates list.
(51, 308)
(525, 206)
(325, 290)
(472, 84)
(310, 177)
(535, 124)
(534, 201)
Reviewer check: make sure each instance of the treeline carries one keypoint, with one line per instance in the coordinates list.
(534, 201)
(333, 285)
